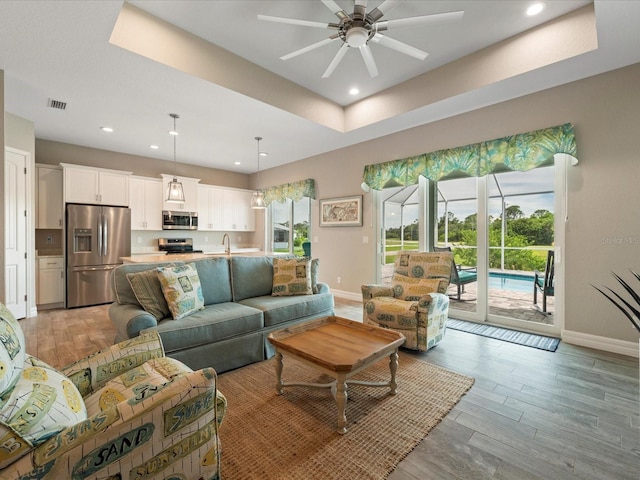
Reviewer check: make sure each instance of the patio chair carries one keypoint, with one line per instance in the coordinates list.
(459, 276)
(544, 283)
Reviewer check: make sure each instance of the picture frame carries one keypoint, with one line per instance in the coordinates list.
(341, 211)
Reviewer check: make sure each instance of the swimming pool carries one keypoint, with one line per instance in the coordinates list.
(510, 281)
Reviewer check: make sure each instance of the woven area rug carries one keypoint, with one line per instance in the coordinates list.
(292, 436)
(540, 342)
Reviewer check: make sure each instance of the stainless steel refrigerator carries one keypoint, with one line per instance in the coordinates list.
(97, 237)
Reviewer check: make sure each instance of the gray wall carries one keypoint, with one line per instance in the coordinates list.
(603, 233)
(53, 153)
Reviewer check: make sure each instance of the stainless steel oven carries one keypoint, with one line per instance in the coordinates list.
(177, 220)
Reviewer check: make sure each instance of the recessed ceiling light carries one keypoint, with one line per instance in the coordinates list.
(263, 154)
(106, 129)
(535, 9)
(354, 91)
(236, 163)
(173, 132)
(154, 147)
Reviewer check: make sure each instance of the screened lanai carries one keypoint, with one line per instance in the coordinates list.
(520, 218)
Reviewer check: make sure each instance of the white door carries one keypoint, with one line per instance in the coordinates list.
(15, 228)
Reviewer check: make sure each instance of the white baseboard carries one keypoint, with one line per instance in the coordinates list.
(575, 338)
(601, 343)
(356, 297)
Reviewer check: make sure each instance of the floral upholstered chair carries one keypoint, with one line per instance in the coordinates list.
(416, 303)
(125, 412)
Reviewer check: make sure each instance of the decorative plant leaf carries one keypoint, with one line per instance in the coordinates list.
(626, 286)
(634, 314)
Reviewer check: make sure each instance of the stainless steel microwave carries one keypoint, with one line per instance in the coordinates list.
(177, 220)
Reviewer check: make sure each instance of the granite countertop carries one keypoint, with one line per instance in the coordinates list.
(186, 257)
(48, 252)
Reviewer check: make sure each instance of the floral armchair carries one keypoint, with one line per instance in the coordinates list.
(416, 303)
(125, 412)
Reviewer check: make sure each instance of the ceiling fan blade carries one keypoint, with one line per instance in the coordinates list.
(336, 60)
(308, 48)
(384, 8)
(294, 21)
(365, 51)
(335, 8)
(399, 46)
(435, 19)
(360, 8)
(387, 5)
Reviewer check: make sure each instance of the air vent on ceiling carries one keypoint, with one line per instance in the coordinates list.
(56, 104)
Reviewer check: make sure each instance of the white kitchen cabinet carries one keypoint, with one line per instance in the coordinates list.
(237, 214)
(50, 287)
(98, 186)
(209, 208)
(190, 187)
(49, 197)
(146, 203)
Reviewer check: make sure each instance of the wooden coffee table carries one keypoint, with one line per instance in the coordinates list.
(339, 348)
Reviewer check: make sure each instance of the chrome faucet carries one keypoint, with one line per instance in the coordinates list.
(228, 249)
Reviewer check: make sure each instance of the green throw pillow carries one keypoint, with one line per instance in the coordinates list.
(148, 291)
(291, 277)
(182, 289)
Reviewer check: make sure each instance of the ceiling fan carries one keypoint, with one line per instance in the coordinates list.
(359, 28)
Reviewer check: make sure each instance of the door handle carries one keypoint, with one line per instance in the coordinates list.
(106, 234)
(100, 235)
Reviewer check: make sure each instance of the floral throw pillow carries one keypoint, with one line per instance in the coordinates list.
(291, 276)
(182, 289)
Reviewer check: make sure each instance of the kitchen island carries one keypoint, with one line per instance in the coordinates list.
(161, 257)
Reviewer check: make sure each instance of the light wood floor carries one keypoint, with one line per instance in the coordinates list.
(572, 414)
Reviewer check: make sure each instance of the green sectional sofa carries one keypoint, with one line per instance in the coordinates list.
(239, 312)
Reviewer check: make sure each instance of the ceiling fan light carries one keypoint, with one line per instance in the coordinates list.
(357, 37)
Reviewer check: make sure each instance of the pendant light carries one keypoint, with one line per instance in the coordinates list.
(175, 192)
(257, 201)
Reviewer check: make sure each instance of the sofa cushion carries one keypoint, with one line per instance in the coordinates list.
(279, 310)
(148, 291)
(424, 264)
(291, 276)
(411, 289)
(42, 403)
(138, 383)
(182, 289)
(215, 279)
(212, 324)
(251, 277)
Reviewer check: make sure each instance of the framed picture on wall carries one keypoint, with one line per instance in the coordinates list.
(341, 211)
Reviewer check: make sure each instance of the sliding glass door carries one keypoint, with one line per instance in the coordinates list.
(457, 230)
(500, 228)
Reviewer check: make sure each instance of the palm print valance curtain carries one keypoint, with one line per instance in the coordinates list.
(520, 152)
(294, 191)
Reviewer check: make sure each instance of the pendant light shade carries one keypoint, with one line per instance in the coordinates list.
(175, 192)
(257, 201)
